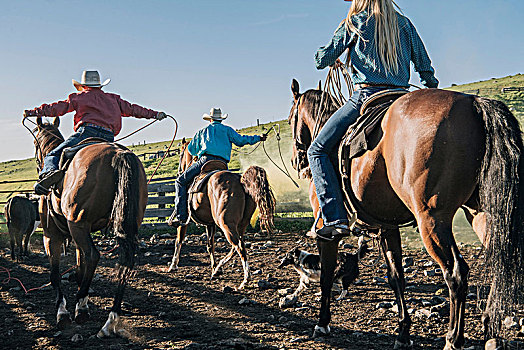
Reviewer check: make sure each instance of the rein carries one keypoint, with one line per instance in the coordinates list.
(277, 135)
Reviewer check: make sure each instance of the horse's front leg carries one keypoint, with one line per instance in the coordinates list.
(392, 250)
(53, 245)
(328, 261)
(181, 234)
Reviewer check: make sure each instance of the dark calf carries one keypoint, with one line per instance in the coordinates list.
(22, 220)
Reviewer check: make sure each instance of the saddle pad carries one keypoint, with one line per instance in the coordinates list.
(200, 181)
(372, 112)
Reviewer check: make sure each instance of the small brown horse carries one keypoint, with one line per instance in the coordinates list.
(228, 201)
(104, 185)
(438, 151)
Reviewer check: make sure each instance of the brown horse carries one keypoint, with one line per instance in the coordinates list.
(104, 185)
(228, 201)
(438, 151)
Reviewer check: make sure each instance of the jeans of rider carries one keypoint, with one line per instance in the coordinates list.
(329, 193)
(52, 159)
(182, 183)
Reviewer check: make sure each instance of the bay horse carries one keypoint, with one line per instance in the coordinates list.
(104, 185)
(228, 201)
(439, 151)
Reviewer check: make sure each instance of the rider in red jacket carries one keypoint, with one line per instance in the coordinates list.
(98, 114)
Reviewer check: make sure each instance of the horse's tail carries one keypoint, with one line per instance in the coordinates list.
(501, 183)
(257, 186)
(125, 210)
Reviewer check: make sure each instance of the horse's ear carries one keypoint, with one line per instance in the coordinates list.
(320, 85)
(56, 122)
(39, 121)
(295, 89)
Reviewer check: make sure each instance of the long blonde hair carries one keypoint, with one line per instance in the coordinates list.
(387, 37)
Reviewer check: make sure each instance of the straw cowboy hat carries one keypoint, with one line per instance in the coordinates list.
(214, 114)
(90, 78)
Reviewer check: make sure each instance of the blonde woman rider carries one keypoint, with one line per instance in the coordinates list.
(381, 44)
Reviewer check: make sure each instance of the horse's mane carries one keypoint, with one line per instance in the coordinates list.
(312, 100)
(48, 133)
(305, 129)
(47, 138)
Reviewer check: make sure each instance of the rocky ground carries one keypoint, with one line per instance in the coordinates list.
(184, 309)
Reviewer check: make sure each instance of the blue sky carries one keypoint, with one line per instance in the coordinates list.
(185, 57)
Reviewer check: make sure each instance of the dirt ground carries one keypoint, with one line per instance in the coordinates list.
(184, 309)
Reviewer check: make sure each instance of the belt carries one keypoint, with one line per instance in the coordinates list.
(389, 86)
(98, 127)
(219, 158)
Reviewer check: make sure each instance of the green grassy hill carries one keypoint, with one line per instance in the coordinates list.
(493, 89)
(288, 196)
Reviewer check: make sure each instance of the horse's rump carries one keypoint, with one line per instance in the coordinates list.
(89, 184)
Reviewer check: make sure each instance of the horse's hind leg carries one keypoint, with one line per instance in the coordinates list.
(211, 230)
(328, 261)
(12, 242)
(438, 239)
(392, 250)
(232, 235)
(180, 236)
(88, 260)
(222, 262)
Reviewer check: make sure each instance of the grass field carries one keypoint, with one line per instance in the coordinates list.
(289, 198)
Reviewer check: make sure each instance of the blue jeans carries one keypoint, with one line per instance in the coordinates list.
(329, 193)
(182, 183)
(52, 159)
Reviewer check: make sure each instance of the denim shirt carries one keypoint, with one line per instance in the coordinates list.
(216, 139)
(366, 64)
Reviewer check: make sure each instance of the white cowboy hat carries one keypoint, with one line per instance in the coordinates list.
(214, 114)
(90, 78)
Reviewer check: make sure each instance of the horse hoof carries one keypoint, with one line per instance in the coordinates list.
(82, 316)
(63, 321)
(501, 344)
(321, 331)
(400, 345)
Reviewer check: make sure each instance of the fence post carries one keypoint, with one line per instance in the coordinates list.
(161, 206)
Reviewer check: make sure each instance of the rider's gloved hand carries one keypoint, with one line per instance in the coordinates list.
(29, 113)
(160, 116)
(263, 137)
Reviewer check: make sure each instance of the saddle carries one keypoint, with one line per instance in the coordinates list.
(361, 137)
(210, 167)
(69, 153)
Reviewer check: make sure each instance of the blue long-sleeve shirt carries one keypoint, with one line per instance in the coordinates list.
(216, 139)
(367, 66)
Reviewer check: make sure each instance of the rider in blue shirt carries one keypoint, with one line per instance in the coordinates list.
(214, 142)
